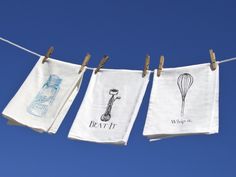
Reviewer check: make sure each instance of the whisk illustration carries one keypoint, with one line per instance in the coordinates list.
(184, 82)
(107, 115)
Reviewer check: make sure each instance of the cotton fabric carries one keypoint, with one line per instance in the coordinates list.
(45, 97)
(183, 101)
(110, 106)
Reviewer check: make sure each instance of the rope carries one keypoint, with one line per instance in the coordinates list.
(20, 47)
(89, 68)
(227, 60)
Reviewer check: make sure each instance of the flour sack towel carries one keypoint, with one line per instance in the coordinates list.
(110, 106)
(45, 97)
(184, 101)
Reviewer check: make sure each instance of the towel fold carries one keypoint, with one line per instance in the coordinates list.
(45, 97)
(184, 101)
(110, 106)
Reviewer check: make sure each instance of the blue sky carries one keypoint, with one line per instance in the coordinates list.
(181, 30)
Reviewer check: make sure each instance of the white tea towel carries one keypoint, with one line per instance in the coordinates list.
(110, 106)
(184, 101)
(46, 96)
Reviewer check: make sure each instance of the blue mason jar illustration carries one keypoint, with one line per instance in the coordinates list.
(40, 105)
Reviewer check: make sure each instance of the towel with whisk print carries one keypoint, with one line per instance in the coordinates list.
(110, 106)
(183, 101)
(45, 97)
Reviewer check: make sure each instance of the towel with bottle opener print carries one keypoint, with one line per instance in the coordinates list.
(110, 106)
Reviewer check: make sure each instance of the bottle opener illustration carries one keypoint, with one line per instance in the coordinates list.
(107, 115)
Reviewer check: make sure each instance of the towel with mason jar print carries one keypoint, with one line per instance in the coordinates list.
(44, 98)
(110, 106)
(184, 101)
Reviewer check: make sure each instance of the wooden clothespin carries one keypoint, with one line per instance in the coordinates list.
(213, 59)
(160, 67)
(101, 64)
(146, 66)
(48, 54)
(85, 62)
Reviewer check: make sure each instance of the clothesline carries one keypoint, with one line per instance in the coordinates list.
(90, 68)
(43, 103)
